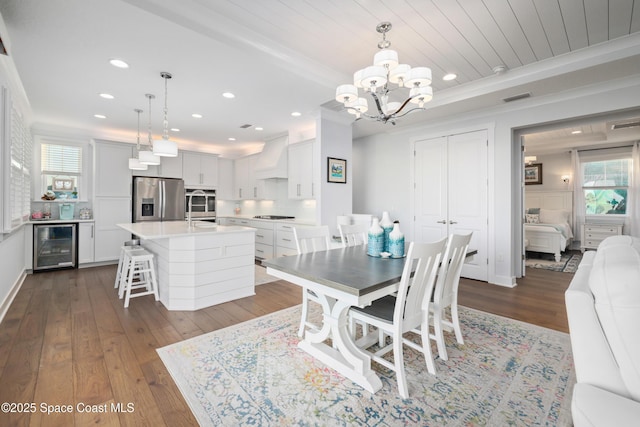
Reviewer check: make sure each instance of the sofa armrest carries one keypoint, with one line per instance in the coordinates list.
(592, 406)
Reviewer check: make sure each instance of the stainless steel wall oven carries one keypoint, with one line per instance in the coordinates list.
(203, 206)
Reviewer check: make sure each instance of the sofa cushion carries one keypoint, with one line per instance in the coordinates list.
(615, 284)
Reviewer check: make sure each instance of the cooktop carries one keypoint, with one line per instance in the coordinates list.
(273, 217)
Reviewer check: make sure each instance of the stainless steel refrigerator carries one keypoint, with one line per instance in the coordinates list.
(158, 199)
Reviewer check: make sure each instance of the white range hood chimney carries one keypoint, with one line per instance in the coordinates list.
(272, 161)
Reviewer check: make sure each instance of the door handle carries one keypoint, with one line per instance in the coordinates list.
(442, 222)
(453, 222)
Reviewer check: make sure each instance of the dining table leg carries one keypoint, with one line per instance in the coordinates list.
(344, 356)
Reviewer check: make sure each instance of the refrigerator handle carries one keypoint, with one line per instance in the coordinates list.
(162, 201)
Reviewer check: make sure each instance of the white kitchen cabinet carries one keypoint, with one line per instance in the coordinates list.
(112, 203)
(246, 185)
(285, 241)
(112, 173)
(199, 170)
(225, 179)
(300, 182)
(86, 248)
(171, 167)
(264, 238)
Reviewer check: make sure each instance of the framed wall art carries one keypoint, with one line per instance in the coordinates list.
(533, 174)
(336, 170)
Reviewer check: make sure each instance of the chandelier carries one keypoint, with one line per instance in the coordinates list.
(165, 147)
(381, 79)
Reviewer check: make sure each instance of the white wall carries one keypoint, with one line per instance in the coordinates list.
(12, 267)
(554, 166)
(374, 187)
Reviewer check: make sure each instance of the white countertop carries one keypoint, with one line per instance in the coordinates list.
(163, 230)
(252, 218)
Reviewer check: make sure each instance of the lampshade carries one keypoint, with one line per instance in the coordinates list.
(386, 57)
(346, 93)
(420, 95)
(360, 105)
(165, 148)
(418, 76)
(357, 78)
(399, 74)
(374, 76)
(134, 164)
(148, 158)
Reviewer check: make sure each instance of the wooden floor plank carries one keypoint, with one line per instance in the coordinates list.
(113, 349)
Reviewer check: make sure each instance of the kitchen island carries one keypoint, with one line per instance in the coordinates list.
(200, 266)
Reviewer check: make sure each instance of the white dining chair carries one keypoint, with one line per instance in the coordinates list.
(310, 239)
(446, 291)
(396, 315)
(353, 234)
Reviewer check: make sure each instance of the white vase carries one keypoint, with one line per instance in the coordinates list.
(387, 226)
(375, 241)
(396, 241)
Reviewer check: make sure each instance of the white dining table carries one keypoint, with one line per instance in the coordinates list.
(341, 278)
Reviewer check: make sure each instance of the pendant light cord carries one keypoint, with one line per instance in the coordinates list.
(137, 110)
(150, 137)
(165, 134)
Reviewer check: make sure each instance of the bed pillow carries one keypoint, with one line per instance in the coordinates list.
(533, 218)
(553, 216)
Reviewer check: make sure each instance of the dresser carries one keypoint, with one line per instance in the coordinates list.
(594, 233)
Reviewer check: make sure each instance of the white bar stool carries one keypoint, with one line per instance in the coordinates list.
(127, 246)
(139, 263)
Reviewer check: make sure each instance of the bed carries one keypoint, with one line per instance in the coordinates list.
(548, 218)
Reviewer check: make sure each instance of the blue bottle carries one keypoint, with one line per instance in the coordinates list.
(375, 241)
(396, 241)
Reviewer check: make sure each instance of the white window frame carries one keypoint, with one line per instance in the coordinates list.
(603, 155)
(84, 192)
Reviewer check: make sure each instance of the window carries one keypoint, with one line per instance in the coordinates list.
(19, 173)
(605, 185)
(61, 167)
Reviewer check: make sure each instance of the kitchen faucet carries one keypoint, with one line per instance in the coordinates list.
(199, 192)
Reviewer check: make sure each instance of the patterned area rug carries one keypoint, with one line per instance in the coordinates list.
(262, 277)
(568, 262)
(506, 373)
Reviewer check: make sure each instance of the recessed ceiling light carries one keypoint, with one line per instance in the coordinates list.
(228, 95)
(196, 116)
(575, 132)
(450, 76)
(259, 128)
(232, 139)
(106, 96)
(99, 116)
(175, 130)
(118, 63)
(296, 114)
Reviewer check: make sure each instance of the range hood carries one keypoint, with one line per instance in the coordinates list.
(272, 161)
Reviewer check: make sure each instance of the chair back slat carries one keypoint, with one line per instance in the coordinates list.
(312, 239)
(450, 269)
(425, 257)
(353, 234)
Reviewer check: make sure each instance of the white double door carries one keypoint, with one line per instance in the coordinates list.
(451, 191)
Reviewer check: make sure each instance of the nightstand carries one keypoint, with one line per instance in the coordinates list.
(593, 234)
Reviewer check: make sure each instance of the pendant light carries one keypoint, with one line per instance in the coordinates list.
(134, 162)
(165, 147)
(146, 156)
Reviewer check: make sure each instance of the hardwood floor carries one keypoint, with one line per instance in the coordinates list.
(67, 340)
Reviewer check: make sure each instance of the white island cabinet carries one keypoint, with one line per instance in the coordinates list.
(200, 266)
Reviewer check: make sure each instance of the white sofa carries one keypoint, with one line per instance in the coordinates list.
(603, 308)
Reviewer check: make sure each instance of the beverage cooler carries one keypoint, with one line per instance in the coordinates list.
(55, 246)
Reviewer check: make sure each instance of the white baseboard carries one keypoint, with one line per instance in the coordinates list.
(4, 307)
